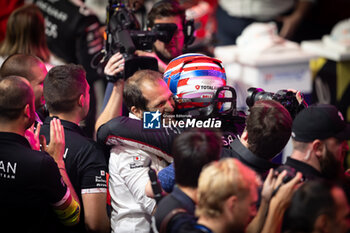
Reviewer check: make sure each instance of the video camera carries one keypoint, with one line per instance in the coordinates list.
(286, 98)
(124, 35)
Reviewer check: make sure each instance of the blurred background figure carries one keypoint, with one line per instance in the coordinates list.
(25, 33)
(74, 35)
(233, 16)
(6, 8)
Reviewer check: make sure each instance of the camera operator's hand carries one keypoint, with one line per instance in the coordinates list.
(299, 96)
(258, 221)
(161, 65)
(284, 191)
(280, 201)
(114, 65)
(268, 186)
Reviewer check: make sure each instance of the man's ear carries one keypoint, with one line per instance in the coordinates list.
(26, 111)
(317, 147)
(81, 100)
(322, 224)
(137, 112)
(231, 202)
(244, 138)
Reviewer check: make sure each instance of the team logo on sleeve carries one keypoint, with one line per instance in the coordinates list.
(151, 120)
(138, 158)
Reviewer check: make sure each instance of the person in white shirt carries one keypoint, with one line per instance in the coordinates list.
(234, 15)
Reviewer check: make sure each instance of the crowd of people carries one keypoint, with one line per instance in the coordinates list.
(202, 167)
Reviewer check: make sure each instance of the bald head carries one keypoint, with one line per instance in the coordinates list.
(15, 94)
(29, 67)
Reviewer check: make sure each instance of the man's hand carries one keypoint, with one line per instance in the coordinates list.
(57, 141)
(114, 65)
(269, 186)
(284, 192)
(32, 135)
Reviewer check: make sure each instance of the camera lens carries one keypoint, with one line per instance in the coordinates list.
(255, 94)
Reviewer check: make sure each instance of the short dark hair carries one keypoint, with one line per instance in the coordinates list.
(19, 65)
(163, 9)
(132, 93)
(192, 150)
(311, 200)
(269, 127)
(62, 87)
(15, 94)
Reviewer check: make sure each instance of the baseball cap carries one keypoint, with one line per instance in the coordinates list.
(320, 121)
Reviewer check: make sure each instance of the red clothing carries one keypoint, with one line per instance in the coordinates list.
(6, 8)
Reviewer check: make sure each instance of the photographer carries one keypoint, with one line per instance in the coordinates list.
(167, 19)
(169, 12)
(268, 129)
(173, 32)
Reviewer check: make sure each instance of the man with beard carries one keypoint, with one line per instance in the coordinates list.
(319, 135)
(169, 12)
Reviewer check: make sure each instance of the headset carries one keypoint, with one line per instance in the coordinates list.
(188, 25)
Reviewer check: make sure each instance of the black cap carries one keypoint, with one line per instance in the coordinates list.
(320, 121)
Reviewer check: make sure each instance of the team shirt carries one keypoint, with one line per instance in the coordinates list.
(31, 189)
(84, 160)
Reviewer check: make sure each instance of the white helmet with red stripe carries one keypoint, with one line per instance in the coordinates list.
(193, 79)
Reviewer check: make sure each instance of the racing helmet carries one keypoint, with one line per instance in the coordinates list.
(193, 78)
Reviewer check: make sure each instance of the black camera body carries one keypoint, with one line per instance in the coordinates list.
(124, 35)
(286, 98)
(290, 173)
